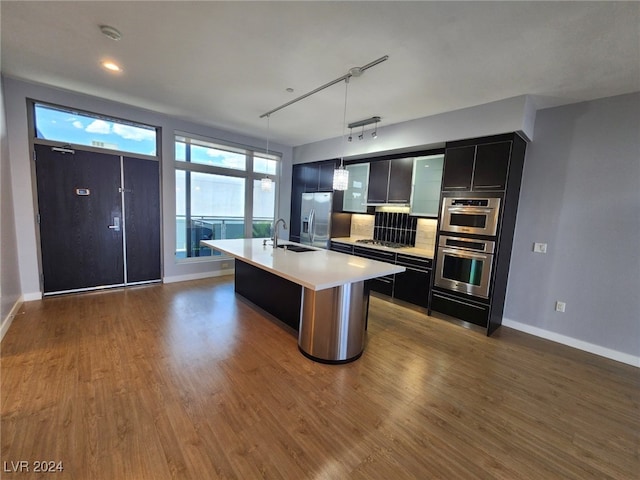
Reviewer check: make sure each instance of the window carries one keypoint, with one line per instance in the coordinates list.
(219, 194)
(69, 126)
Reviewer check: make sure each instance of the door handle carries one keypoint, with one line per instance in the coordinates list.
(116, 224)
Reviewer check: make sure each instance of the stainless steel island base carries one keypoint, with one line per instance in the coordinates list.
(333, 322)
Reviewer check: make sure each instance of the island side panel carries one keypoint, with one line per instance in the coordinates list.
(276, 295)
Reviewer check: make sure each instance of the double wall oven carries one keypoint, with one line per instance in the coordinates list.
(465, 256)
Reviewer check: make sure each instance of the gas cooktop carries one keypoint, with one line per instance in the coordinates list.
(382, 243)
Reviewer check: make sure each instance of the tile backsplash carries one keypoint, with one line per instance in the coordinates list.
(395, 227)
(426, 233)
(418, 232)
(362, 225)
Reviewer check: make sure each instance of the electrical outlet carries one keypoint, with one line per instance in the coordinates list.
(560, 306)
(540, 247)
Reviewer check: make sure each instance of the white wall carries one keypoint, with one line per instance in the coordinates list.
(581, 195)
(16, 94)
(515, 114)
(9, 274)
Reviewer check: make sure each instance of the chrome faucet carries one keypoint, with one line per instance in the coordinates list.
(275, 231)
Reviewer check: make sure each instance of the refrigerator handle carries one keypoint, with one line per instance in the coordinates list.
(312, 226)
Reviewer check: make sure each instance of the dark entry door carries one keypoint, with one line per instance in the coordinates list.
(81, 221)
(142, 219)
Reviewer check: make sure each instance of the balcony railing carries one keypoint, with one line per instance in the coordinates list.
(189, 232)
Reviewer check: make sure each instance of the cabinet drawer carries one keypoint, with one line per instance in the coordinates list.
(382, 285)
(388, 257)
(341, 247)
(459, 308)
(414, 262)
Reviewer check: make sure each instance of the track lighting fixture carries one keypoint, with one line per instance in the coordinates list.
(364, 123)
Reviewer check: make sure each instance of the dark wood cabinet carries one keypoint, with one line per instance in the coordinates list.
(341, 247)
(306, 178)
(325, 176)
(378, 182)
(390, 181)
(491, 166)
(458, 168)
(412, 285)
(482, 167)
(400, 172)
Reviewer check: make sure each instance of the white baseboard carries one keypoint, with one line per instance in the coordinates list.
(30, 297)
(197, 276)
(573, 342)
(6, 322)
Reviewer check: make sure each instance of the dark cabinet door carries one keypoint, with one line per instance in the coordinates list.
(309, 175)
(400, 172)
(325, 176)
(491, 166)
(297, 189)
(378, 182)
(458, 168)
(412, 286)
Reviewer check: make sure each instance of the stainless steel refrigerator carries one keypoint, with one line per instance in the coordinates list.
(315, 221)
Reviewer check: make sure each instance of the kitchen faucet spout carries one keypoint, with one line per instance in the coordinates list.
(275, 231)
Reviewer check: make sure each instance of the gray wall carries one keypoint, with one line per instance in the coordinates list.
(17, 92)
(581, 195)
(516, 114)
(9, 274)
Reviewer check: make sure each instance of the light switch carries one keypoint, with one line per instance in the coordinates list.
(540, 247)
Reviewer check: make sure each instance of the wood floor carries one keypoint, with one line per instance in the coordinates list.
(187, 381)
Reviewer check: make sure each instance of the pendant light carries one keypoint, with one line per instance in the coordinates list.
(341, 174)
(266, 184)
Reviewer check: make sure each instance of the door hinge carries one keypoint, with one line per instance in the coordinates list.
(34, 155)
(38, 218)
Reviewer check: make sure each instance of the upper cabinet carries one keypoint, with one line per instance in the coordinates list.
(425, 188)
(355, 196)
(315, 177)
(482, 167)
(390, 181)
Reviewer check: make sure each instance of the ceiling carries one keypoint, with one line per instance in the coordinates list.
(224, 64)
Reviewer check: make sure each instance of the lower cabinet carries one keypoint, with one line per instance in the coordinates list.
(410, 286)
(468, 310)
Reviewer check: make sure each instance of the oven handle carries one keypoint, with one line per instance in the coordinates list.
(463, 253)
(469, 210)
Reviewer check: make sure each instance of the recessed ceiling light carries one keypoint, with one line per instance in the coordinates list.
(113, 67)
(290, 90)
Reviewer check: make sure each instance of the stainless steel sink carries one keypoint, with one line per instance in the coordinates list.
(296, 248)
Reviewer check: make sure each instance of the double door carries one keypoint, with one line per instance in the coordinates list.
(99, 219)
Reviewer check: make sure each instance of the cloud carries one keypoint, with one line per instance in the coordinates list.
(78, 124)
(99, 126)
(133, 133)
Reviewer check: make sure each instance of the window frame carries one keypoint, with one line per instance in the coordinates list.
(33, 134)
(247, 174)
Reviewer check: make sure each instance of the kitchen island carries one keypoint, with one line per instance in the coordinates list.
(320, 293)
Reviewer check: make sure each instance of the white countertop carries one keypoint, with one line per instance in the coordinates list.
(417, 252)
(317, 270)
